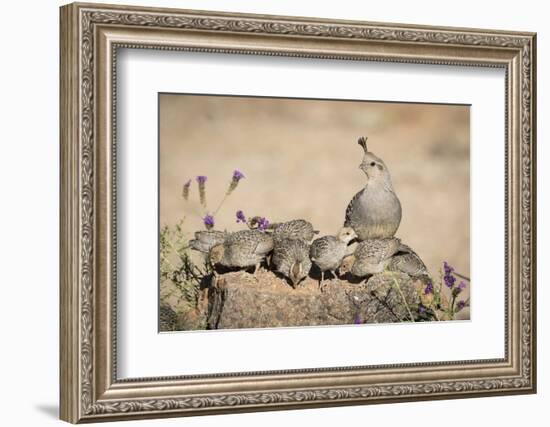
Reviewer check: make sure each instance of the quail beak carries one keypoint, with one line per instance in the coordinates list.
(363, 167)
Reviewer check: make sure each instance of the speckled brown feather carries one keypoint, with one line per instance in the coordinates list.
(246, 248)
(372, 256)
(295, 229)
(288, 252)
(204, 241)
(327, 252)
(407, 261)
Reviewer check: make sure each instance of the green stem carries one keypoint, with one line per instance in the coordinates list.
(462, 276)
(221, 203)
(452, 307)
(404, 299)
(166, 260)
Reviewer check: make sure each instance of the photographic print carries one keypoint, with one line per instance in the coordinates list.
(283, 212)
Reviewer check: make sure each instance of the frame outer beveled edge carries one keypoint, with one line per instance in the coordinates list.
(534, 378)
(532, 208)
(69, 225)
(71, 357)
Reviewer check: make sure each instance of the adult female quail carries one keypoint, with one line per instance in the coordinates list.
(294, 229)
(242, 249)
(375, 211)
(327, 252)
(291, 259)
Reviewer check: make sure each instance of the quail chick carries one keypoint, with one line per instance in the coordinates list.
(327, 252)
(204, 241)
(242, 249)
(375, 211)
(373, 256)
(295, 229)
(291, 259)
(407, 261)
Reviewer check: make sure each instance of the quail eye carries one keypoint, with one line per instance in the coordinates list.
(372, 163)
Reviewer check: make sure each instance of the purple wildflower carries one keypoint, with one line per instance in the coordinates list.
(429, 289)
(201, 179)
(448, 277)
(185, 191)
(449, 281)
(357, 320)
(237, 176)
(208, 221)
(460, 305)
(263, 223)
(240, 216)
(458, 289)
(421, 309)
(258, 222)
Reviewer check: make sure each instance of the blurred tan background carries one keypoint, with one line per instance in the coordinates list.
(301, 157)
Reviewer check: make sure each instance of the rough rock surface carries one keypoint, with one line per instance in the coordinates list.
(240, 300)
(175, 314)
(168, 318)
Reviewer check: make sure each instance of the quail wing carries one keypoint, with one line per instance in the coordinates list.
(349, 221)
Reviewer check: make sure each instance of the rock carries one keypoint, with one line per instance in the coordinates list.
(177, 314)
(168, 318)
(240, 300)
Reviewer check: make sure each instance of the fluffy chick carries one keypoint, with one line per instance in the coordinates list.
(291, 259)
(294, 229)
(204, 241)
(373, 256)
(242, 249)
(327, 252)
(407, 261)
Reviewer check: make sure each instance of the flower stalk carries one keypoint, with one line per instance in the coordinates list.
(185, 190)
(235, 179)
(201, 180)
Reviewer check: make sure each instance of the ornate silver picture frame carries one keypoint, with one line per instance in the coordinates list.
(91, 37)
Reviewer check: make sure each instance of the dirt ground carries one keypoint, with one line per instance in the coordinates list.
(301, 157)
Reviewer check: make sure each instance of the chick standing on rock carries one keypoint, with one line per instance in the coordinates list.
(204, 241)
(407, 261)
(291, 259)
(373, 256)
(327, 252)
(375, 211)
(242, 249)
(295, 229)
